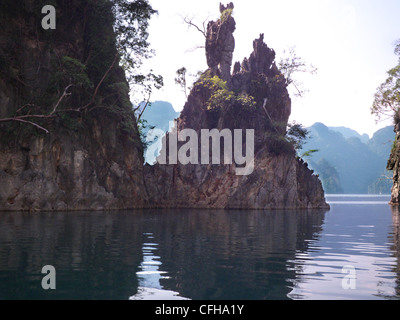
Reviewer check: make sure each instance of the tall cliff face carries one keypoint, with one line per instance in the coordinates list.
(253, 97)
(90, 159)
(394, 165)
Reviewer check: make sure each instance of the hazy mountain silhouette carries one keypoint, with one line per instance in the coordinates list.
(350, 133)
(157, 115)
(345, 163)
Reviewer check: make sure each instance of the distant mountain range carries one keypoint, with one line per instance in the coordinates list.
(157, 115)
(350, 133)
(346, 161)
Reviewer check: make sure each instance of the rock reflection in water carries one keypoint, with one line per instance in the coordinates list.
(395, 240)
(195, 254)
(233, 254)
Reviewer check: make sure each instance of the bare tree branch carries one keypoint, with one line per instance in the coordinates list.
(195, 48)
(65, 94)
(291, 65)
(190, 22)
(144, 108)
(265, 109)
(20, 119)
(23, 118)
(24, 106)
(99, 84)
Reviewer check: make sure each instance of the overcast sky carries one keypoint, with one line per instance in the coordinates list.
(349, 41)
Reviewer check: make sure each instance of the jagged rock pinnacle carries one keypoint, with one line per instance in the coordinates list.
(220, 42)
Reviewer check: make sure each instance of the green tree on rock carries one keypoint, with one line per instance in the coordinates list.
(387, 97)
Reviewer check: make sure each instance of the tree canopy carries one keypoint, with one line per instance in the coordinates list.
(387, 96)
(131, 25)
(291, 64)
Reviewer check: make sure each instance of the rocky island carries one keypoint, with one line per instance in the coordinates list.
(92, 156)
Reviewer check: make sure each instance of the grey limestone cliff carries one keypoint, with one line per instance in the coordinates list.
(88, 160)
(394, 165)
(92, 157)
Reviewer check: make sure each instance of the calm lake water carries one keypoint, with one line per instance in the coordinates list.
(203, 254)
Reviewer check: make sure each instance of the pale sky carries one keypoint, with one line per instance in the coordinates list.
(349, 41)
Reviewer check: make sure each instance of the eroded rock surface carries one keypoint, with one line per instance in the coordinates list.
(279, 180)
(220, 42)
(86, 161)
(394, 165)
(97, 165)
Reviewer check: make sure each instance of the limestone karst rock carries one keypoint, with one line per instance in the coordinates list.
(220, 42)
(85, 162)
(253, 97)
(91, 161)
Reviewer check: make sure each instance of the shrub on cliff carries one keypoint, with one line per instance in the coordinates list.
(221, 96)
